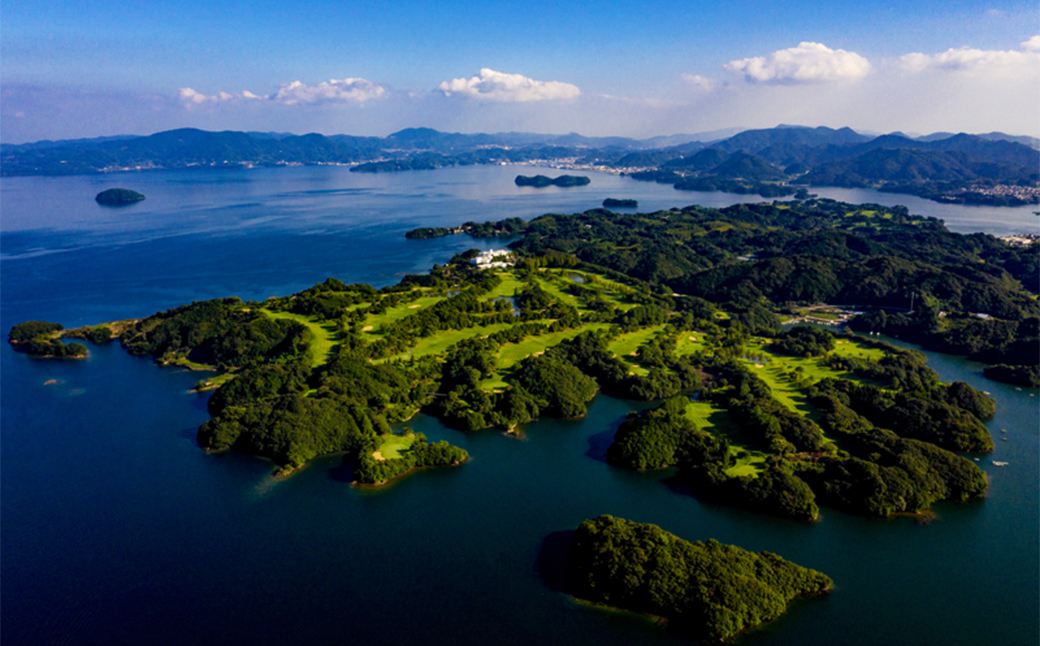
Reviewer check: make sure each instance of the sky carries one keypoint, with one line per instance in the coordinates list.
(88, 68)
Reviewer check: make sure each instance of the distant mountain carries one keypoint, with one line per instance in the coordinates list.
(752, 141)
(1031, 142)
(700, 161)
(902, 166)
(959, 167)
(741, 165)
(47, 143)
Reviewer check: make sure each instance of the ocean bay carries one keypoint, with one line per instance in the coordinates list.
(119, 529)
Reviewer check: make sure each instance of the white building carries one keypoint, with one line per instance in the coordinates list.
(487, 259)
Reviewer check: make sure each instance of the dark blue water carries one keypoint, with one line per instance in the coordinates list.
(117, 529)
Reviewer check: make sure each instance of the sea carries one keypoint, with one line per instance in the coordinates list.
(116, 528)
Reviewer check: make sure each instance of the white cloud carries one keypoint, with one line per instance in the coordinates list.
(966, 59)
(497, 86)
(349, 90)
(191, 98)
(700, 82)
(806, 63)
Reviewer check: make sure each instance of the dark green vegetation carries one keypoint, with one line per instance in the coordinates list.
(40, 339)
(976, 169)
(753, 259)
(118, 197)
(373, 469)
(541, 181)
(645, 306)
(707, 591)
(614, 203)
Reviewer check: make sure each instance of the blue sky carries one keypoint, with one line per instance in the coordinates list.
(82, 69)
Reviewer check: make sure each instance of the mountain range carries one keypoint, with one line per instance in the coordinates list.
(939, 165)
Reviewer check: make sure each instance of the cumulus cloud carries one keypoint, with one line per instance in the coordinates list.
(806, 63)
(700, 82)
(348, 90)
(190, 97)
(497, 86)
(967, 59)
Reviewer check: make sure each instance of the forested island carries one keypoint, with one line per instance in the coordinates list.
(118, 197)
(40, 339)
(541, 181)
(708, 591)
(614, 203)
(681, 307)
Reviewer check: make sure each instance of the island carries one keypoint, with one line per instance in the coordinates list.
(682, 307)
(40, 339)
(614, 203)
(118, 197)
(541, 181)
(703, 590)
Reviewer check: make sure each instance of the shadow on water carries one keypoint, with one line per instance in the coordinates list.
(344, 472)
(190, 433)
(552, 559)
(600, 442)
(677, 484)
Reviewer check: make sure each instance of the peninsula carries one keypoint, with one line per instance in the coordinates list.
(652, 307)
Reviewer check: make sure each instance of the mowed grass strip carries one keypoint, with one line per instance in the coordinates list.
(512, 353)
(715, 420)
(323, 337)
(370, 329)
(690, 342)
(441, 341)
(628, 343)
(510, 285)
(390, 447)
(847, 348)
(613, 293)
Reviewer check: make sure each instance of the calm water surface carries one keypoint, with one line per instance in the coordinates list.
(118, 529)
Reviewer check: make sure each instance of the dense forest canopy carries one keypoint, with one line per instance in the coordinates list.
(706, 590)
(680, 307)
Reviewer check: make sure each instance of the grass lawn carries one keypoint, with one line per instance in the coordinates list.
(443, 340)
(846, 348)
(717, 421)
(216, 382)
(511, 354)
(626, 344)
(690, 342)
(323, 337)
(391, 446)
(553, 288)
(510, 284)
(394, 314)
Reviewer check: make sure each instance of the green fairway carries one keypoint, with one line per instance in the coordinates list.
(628, 343)
(847, 348)
(551, 286)
(370, 330)
(441, 341)
(510, 285)
(512, 353)
(707, 417)
(323, 337)
(391, 446)
(690, 342)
